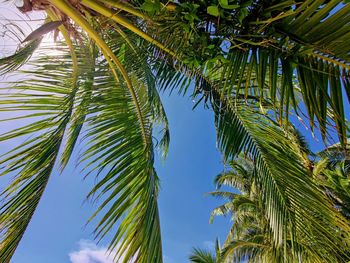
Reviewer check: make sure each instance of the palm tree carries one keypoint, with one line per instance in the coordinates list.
(78, 91)
(104, 83)
(202, 256)
(332, 173)
(250, 238)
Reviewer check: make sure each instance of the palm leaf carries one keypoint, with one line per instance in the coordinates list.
(50, 101)
(117, 94)
(202, 256)
(117, 149)
(22, 55)
(284, 180)
(268, 58)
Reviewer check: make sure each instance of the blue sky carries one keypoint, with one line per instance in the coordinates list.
(58, 234)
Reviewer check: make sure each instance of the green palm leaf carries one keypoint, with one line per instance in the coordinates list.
(268, 56)
(116, 147)
(120, 145)
(119, 106)
(289, 195)
(22, 55)
(51, 101)
(202, 256)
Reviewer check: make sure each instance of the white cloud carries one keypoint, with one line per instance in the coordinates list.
(90, 253)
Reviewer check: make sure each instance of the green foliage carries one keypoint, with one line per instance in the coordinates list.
(22, 55)
(151, 6)
(68, 102)
(289, 195)
(202, 256)
(49, 102)
(213, 10)
(251, 237)
(289, 49)
(225, 4)
(332, 173)
(252, 62)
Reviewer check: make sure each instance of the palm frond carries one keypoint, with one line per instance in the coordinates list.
(202, 256)
(239, 176)
(268, 43)
(22, 55)
(112, 125)
(287, 189)
(116, 148)
(332, 174)
(87, 56)
(266, 58)
(50, 103)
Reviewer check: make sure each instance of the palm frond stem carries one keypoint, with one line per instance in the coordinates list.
(69, 10)
(122, 21)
